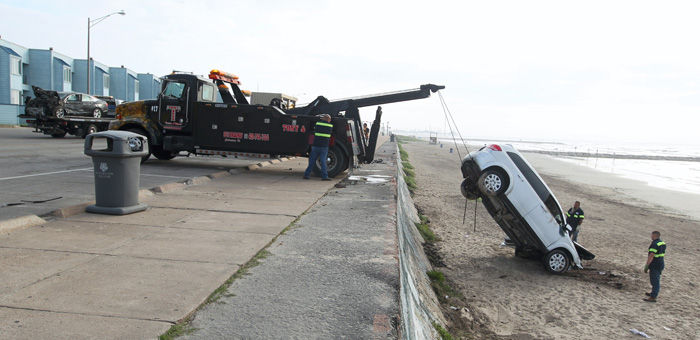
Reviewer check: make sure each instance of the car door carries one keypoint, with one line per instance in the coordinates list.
(73, 104)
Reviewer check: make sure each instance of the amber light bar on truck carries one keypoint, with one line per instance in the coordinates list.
(223, 76)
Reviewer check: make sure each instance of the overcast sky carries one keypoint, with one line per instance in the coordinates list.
(545, 70)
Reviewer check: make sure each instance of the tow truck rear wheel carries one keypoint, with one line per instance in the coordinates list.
(337, 162)
(58, 134)
(142, 133)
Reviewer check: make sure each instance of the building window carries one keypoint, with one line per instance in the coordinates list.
(15, 66)
(25, 74)
(15, 96)
(105, 84)
(136, 90)
(67, 78)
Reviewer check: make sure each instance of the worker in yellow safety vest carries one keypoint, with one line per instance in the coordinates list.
(319, 149)
(655, 265)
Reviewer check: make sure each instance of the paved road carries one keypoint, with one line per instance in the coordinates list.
(36, 167)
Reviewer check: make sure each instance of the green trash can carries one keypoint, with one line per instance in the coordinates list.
(117, 168)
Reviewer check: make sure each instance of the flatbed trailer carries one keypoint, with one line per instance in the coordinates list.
(74, 125)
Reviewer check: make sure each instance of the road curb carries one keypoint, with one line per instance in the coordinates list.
(20, 223)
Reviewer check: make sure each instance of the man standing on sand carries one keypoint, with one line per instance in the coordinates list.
(319, 150)
(574, 217)
(655, 265)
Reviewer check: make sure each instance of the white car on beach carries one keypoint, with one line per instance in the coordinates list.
(523, 206)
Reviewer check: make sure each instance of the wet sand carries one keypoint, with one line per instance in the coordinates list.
(514, 298)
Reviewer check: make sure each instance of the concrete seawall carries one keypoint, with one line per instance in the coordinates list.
(419, 305)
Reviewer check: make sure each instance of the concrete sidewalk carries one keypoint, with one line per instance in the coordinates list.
(334, 275)
(132, 277)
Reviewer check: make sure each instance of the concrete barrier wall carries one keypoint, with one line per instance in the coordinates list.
(419, 305)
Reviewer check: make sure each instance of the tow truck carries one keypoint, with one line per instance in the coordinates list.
(187, 116)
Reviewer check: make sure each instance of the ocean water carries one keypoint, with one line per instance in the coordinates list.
(677, 175)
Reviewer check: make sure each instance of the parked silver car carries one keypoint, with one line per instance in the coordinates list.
(523, 206)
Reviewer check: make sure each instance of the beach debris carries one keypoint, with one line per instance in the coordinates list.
(601, 273)
(375, 179)
(640, 333)
(668, 329)
(453, 308)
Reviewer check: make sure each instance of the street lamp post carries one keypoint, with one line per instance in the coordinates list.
(90, 24)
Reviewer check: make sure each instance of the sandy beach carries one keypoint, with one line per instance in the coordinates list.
(513, 298)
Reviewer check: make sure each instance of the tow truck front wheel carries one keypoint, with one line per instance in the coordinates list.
(163, 155)
(142, 133)
(336, 160)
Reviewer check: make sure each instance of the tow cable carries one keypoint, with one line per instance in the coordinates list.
(448, 118)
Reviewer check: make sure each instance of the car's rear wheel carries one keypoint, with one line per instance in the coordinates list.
(557, 261)
(97, 113)
(493, 182)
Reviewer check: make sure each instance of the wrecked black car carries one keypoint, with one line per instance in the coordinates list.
(61, 104)
(60, 113)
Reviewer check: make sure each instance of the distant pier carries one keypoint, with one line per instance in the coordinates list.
(615, 156)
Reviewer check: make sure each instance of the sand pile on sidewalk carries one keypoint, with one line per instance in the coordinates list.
(517, 298)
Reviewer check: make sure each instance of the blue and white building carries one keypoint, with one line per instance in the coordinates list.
(21, 68)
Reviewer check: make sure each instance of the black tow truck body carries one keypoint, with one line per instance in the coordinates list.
(46, 114)
(188, 117)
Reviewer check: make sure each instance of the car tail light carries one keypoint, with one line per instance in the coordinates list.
(495, 147)
(119, 116)
(348, 133)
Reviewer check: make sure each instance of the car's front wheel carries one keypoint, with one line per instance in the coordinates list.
(557, 261)
(60, 112)
(493, 182)
(97, 113)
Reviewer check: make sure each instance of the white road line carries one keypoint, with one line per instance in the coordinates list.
(45, 173)
(73, 170)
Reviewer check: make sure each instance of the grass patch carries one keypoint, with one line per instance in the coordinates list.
(177, 330)
(444, 334)
(425, 231)
(220, 292)
(441, 286)
(404, 139)
(407, 165)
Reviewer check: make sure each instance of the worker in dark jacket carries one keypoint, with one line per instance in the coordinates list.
(574, 218)
(655, 264)
(319, 150)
